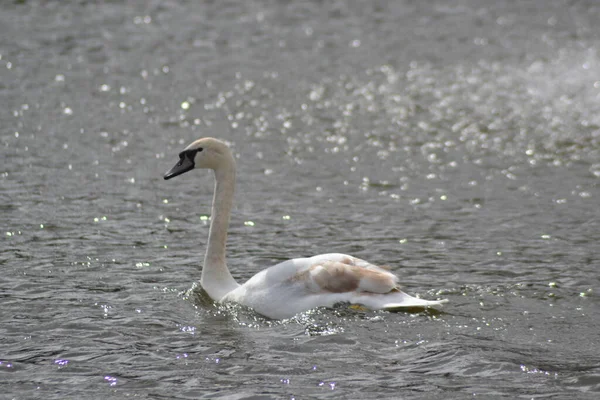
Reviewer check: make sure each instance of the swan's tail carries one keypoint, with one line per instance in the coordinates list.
(396, 300)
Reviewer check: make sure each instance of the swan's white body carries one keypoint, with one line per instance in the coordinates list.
(301, 284)
(295, 285)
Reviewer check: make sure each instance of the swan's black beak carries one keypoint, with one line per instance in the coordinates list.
(185, 164)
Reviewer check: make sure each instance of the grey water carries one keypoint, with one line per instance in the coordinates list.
(457, 142)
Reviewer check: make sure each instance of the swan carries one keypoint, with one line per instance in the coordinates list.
(295, 285)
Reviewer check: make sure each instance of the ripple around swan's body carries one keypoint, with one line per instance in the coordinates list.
(456, 143)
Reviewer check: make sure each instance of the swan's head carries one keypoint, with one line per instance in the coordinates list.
(203, 153)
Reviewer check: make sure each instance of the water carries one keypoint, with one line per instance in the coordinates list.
(457, 142)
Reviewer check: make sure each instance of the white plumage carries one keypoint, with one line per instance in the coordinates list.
(292, 286)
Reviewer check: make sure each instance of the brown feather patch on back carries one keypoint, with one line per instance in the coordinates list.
(341, 277)
(335, 277)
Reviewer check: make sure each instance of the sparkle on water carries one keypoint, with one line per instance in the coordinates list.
(456, 142)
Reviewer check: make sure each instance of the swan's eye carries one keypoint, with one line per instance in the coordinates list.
(199, 149)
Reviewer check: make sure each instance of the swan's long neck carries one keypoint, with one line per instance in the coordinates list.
(216, 278)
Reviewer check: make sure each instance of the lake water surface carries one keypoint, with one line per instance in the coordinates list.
(457, 142)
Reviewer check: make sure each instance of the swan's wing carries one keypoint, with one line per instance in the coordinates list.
(343, 276)
(350, 279)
